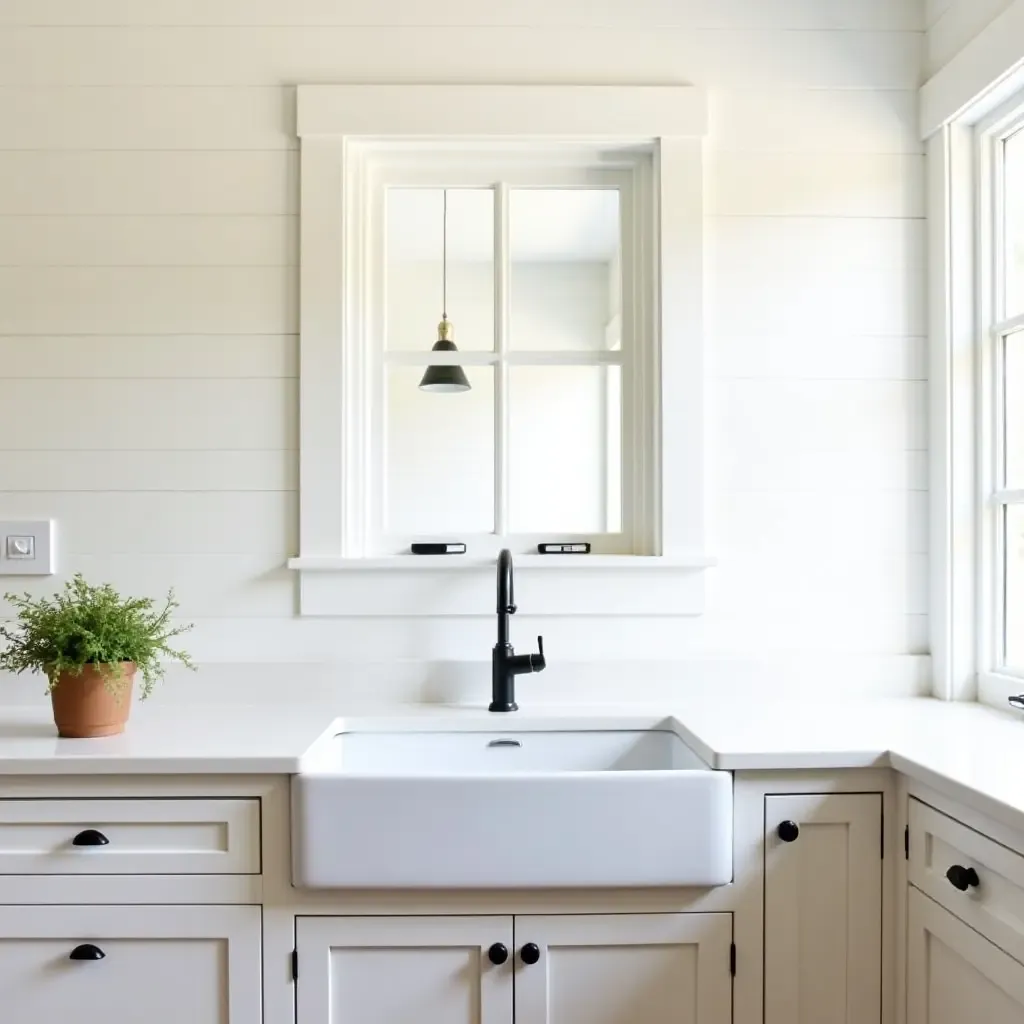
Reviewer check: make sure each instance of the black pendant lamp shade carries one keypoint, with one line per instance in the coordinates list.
(445, 379)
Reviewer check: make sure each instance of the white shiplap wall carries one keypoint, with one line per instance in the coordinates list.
(148, 304)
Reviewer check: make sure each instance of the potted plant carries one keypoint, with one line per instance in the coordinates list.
(89, 642)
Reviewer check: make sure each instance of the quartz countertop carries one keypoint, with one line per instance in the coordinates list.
(970, 752)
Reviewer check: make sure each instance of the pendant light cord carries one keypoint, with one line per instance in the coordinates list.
(444, 257)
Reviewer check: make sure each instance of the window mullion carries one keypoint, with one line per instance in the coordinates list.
(501, 342)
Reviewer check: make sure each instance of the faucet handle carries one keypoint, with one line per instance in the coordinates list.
(537, 661)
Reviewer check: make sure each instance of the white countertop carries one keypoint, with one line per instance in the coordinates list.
(972, 753)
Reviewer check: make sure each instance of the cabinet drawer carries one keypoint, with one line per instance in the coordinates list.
(993, 902)
(154, 837)
(126, 965)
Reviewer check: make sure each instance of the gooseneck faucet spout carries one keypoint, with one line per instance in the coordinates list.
(506, 594)
(505, 663)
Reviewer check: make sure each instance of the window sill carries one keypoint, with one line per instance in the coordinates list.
(995, 687)
(454, 585)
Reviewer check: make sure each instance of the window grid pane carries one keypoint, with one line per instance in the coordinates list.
(440, 466)
(1011, 429)
(1013, 222)
(565, 449)
(1012, 534)
(418, 278)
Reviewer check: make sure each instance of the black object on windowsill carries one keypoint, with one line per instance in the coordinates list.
(1016, 701)
(435, 548)
(575, 547)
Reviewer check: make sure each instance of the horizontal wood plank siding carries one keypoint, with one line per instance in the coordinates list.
(149, 318)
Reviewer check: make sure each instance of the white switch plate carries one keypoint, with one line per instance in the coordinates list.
(38, 537)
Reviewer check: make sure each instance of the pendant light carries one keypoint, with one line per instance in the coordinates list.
(445, 379)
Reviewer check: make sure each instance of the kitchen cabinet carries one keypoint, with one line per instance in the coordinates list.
(123, 965)
(604, 969)
(823, 908)
(613, 969)
(954, 974)
(393, 970)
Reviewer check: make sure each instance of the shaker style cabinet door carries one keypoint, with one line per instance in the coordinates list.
(955, 975)
(129, 965)
(624, 969)
(404, 970)
(823, 908)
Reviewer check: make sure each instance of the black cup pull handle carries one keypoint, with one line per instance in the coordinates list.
(498, 953)
(90, 837)
(87, 951)
(962, 878)
(530, 953)
(788, 831)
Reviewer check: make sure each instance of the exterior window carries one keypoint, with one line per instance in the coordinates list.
(1008, 341)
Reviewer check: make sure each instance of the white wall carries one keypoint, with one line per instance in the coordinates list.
(952, 24)
(148, 306)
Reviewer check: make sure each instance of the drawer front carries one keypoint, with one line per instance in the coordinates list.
(151, 837)
(993, 901)
(130, 965)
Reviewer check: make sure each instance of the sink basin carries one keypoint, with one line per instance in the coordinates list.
(524, 807)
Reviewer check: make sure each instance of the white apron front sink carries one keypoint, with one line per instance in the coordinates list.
(527, 806)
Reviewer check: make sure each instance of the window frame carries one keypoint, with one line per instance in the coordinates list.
(996, 325)
(341, 130)
(966, 322)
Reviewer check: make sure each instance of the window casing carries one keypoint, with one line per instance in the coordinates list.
(358, 141)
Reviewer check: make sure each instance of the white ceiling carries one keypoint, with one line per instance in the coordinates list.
(545, 225)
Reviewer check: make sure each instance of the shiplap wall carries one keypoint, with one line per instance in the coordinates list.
(148, 356)
(952, 24)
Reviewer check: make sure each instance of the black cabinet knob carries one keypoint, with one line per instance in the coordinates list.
(962, 878)
(788, 831)
(90, 837)
(498, 953)
(87, 951)
(530, 953)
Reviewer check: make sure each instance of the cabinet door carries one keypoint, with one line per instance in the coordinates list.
(396, 970)
(123, 965)
(625, 969)
(823, 909)
(954, 975)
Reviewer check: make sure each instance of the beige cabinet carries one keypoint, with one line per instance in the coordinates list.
(394, 970)
(624, 968)
(564, 969)
(126, 965)
(954, 974)
(823, 908)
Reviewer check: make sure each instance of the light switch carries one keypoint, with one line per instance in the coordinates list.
(27, 548)
(21, 547)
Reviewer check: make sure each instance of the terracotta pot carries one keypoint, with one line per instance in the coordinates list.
(83, 706)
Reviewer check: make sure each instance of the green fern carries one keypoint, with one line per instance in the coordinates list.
(87, 625)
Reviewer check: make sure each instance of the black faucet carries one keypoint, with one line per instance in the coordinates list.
(505, 663)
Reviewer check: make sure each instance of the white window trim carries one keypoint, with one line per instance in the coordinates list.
(334, 124)
(983, 75)
(966, 607)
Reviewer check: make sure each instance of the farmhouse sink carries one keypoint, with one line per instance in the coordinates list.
(529, 806)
